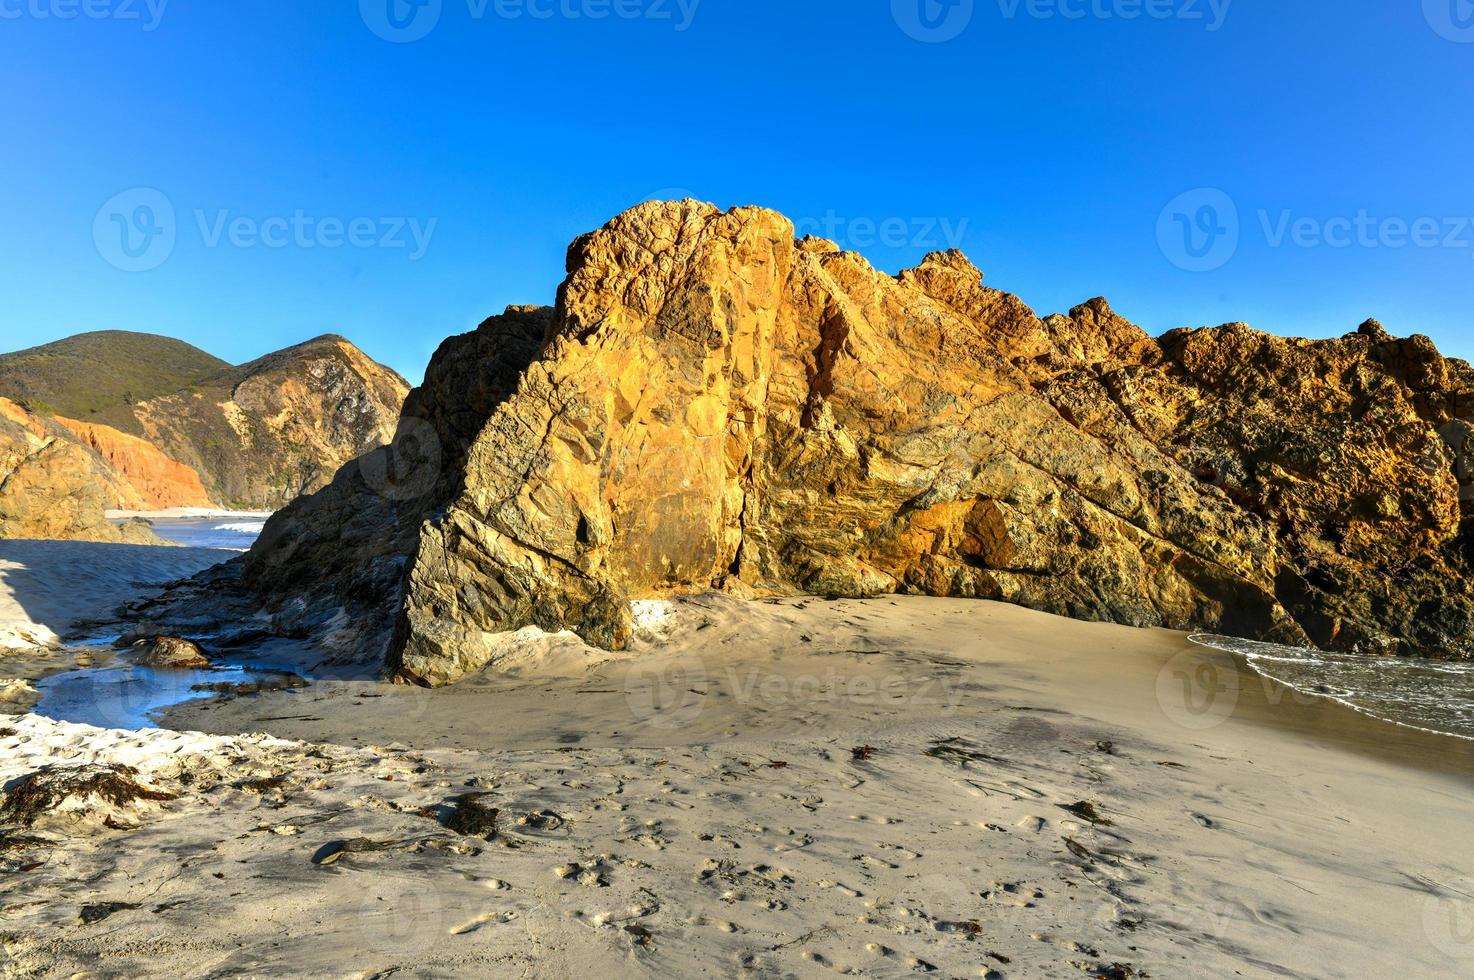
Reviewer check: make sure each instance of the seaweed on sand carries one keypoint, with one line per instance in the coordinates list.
(1085, 810)
(961, 752)
(46, 790)
(472, 817)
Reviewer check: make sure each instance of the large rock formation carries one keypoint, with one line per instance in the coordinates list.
(713, 404)
(182, 428)
(50, 487)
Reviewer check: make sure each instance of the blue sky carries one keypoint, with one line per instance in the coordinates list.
(299, 150)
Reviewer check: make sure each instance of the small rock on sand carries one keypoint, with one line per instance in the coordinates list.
(171, 653)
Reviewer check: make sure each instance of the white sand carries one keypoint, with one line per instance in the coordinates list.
(696, 807)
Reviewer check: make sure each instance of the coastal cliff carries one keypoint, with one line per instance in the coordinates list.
(176, 427)
(150, 479)
(265, 433)
(714, 405)
(51, 487)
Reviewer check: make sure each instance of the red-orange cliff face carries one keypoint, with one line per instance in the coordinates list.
(158, 481)
(52, 487)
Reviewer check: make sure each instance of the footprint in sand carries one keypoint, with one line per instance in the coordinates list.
(875, 863)
(647, 834)
(795, 842)
(1016, 894)
(590, 876)
(701, 921)
(542, 822)
(841, 888)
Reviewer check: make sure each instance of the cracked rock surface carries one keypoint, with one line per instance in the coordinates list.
(715, 405)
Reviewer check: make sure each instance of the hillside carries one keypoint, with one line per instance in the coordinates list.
(264, 433)
(96, 377)
(166, 424)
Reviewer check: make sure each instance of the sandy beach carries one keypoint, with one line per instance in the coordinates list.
(801, 787)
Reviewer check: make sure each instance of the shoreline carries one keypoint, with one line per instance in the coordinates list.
(187, 513)
(1250, 699)
(793, 786)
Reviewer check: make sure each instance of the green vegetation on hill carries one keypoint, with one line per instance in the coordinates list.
(95, 377)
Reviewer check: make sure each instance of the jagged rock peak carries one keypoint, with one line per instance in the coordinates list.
(713, 404)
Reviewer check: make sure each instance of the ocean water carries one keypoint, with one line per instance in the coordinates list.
(227, 532)
(124, 694)
(1431, 695)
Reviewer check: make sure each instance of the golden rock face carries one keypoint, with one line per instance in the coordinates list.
(713, 404)
(53, 488)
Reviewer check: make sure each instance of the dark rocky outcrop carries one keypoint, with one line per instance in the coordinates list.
(713, 404)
